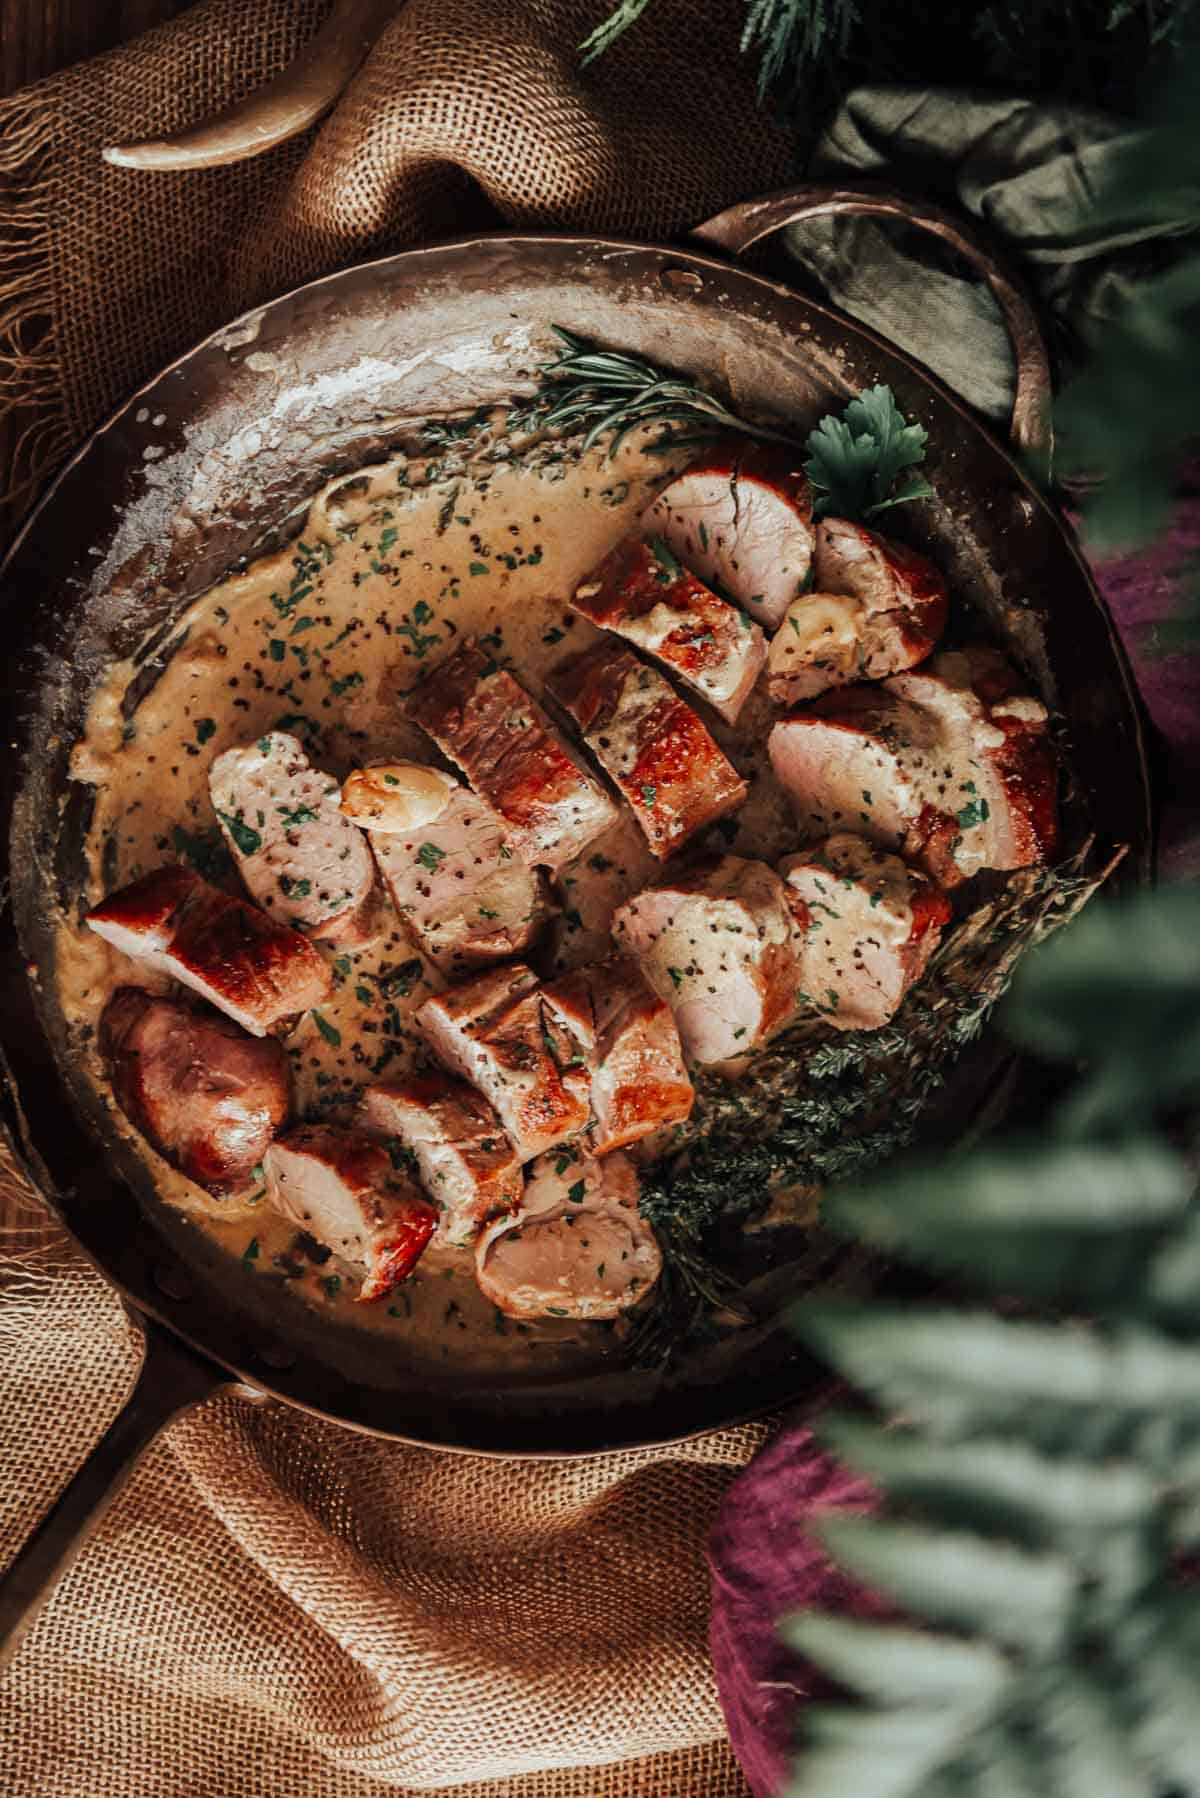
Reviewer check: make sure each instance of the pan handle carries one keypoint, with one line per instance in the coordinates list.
(1031, 430)
(172, 1379)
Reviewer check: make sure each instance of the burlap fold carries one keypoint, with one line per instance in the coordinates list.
(275, 1606)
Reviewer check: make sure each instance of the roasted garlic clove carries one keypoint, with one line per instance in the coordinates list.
(396, 796)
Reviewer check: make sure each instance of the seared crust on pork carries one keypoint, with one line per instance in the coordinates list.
(485, 721)
(208, 1097)
(257, 972)
(343, 1190)
(465, 1161)
(643, 593)
(650, 742)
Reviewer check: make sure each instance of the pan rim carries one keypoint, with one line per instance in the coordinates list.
(376, 272)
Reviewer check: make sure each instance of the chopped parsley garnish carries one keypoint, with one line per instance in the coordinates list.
(668, 562)
(330, 1032)
(246, 840)
(553, 635)
(250, 1253)
(303, 814)
(205, 728)
(575, 1193)
(294, 889)
(975, 812)
(204, 850)
(264, 746)
(703, 535)
(429, 855)
(277, 648)
(649, 794)
(402, 981)
(677, 976)
(332, 1284)
(478, 568)
(338, 687)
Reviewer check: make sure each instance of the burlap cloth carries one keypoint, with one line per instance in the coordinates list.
(275, 1606)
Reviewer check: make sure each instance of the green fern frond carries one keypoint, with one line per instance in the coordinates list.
(1001, 1486)
(1020, 1599)
(892, 1664)
(1068, 1219)
(961, 1374)
(873, 1754)
(794, 37)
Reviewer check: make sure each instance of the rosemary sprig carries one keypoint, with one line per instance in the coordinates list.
(610, 391)
(609, 30)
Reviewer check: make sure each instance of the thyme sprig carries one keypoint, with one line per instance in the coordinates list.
(818, 1108)
(611, 391)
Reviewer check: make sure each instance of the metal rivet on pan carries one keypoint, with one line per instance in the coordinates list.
(275, 1355)
(173, 1281)
(676, 278)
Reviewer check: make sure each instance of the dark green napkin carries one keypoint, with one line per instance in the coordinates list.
(1029, 171)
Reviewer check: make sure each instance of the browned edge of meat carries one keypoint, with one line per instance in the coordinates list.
(256, 971)
(204, 1094)
(668, 767)
(486, 722)
(343, 1189)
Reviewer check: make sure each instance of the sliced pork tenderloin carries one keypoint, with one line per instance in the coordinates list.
(301, 860)
(463, 891)
(868, 925)
(643, 593)
(465, 1161)
(650, 742)
(496, 1032)
(258, 972)
(577, 1248)
(208, 1097)
(953, 766)
(485, 721)
(639, 1081)
(343, 1190)
(741, 519)
(720, 947)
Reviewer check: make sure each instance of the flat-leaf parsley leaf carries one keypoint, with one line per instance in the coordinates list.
(854, 461)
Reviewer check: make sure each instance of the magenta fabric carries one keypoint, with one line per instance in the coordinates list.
(765, 1563)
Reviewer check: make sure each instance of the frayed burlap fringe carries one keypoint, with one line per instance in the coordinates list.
(30, 370)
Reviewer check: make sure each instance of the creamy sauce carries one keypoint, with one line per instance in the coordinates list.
(393, 568)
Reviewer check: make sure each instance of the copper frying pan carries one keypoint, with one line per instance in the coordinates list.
(195, 472)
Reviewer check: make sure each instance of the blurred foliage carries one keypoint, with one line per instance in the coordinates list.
(1043, 1483)
(807, 51)
(1133, 413)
